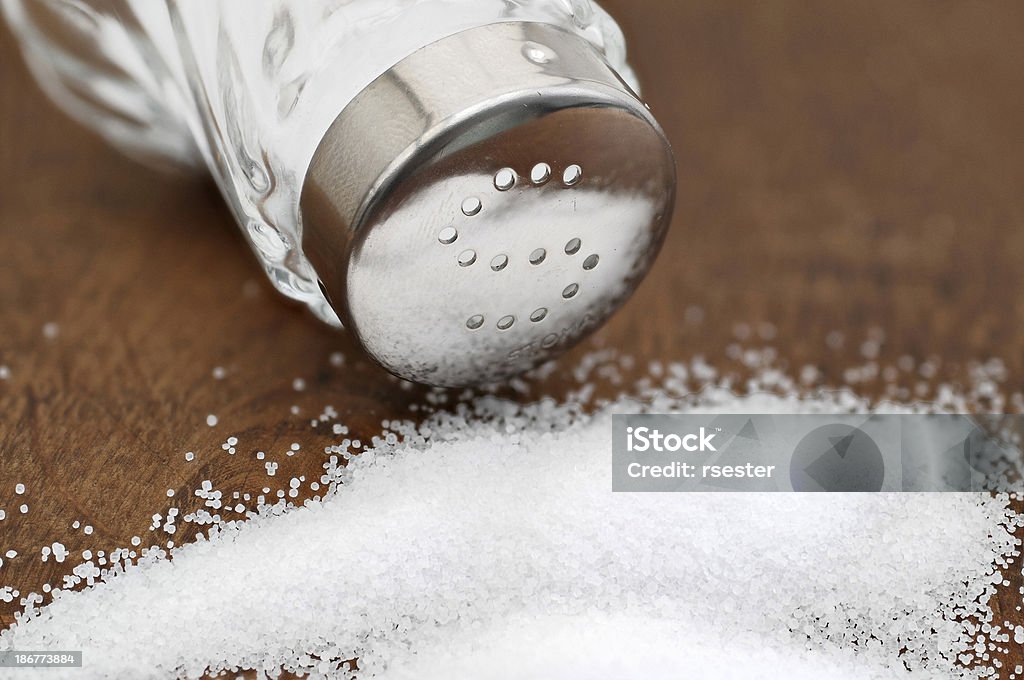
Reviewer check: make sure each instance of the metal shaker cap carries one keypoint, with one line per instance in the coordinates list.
(486, 203)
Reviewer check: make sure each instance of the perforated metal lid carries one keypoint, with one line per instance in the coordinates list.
(486, 203)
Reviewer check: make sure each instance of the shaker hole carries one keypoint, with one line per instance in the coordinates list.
(505, 179)
(499, 262)
(572, 175)
(447, 235)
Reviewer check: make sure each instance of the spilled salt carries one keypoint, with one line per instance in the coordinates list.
(492, 529)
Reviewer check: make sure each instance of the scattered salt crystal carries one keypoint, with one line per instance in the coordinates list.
(51, 330)
(19, 489)
(251, 288)
(211, 420)
(11, 554)
(190, 456)
(88, 530)
(337, 359)
(298, 384)
(170, 493)
(5, 372)
(24, 509)
(869, 349)
(219, 372)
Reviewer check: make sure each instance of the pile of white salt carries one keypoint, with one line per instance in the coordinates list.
(487, 543)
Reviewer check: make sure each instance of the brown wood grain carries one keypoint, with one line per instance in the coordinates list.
(843, 167)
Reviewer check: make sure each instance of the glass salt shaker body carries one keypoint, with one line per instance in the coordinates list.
(255, 91)
(248, 88)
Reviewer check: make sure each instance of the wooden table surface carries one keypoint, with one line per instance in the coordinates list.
(844, 167)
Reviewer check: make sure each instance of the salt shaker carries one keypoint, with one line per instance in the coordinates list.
(469, 187)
